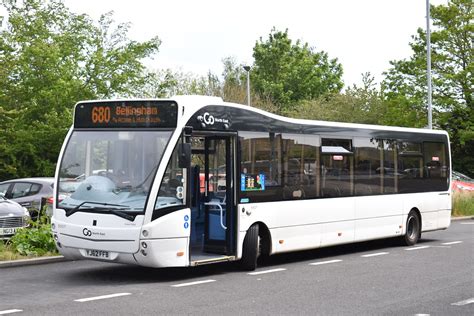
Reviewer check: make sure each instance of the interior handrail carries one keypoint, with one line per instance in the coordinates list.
(221, 211)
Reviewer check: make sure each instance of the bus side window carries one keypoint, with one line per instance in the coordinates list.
(368, 160)
(436, 166)
(337, 167)
(261, 155)
(410, 168)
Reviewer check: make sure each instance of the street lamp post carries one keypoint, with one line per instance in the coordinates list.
(247, 69)
(428, 64)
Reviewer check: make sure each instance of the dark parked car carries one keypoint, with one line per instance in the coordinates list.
(12, 217)
(31, 193)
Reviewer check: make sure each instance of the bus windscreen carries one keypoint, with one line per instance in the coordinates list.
(126, 114)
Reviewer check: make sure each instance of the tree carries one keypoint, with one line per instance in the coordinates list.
(452, 67)
(51, 58)
(358, 104)
(164, 83)
(289, 73)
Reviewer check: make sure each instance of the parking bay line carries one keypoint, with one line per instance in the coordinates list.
(266, 271)
(375, 254)
(466, 223)
(417, 248)
(193, 283)
(10, 311)
(465, 302)
(451, 243)
(82, 300)
(324, 262)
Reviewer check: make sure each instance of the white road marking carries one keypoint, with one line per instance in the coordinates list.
(466, 223)
(417, 248)
(101, 297)
(10, 311)
(452, 242)
(465, 302)
(324, 262)
(193, 283)
(375, 254)
(266, 271)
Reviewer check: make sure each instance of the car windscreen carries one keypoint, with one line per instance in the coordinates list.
(109, 171)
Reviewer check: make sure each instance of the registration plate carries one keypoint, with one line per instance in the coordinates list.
(97, 254)
(7, 231)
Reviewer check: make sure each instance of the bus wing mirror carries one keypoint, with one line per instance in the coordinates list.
(184, 152)
(188, 131)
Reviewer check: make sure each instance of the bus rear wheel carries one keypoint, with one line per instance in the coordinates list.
(250, 249)
(413, 229)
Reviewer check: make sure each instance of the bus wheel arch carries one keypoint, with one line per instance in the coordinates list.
(412, 228)
(265, 240)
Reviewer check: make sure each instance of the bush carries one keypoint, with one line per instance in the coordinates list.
(35, 240)
(463, 204)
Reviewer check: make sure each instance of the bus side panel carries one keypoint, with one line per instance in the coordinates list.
(435, 209)
(296, 237)
(444, 219)
(164, 242)
(298, 225)
(337, 216)
(444, 209)
(292, 224)
(172, 225)
(427, 204)
(378, 216)
(249, 214)
(162, 253)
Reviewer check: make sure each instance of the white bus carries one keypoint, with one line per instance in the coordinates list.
(195, 180)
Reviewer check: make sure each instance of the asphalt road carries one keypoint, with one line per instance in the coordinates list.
(375, 278)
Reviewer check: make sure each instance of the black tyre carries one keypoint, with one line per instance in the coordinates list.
(413, 229)
(250, 249)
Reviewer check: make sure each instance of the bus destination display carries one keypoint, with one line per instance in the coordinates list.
(136, 114)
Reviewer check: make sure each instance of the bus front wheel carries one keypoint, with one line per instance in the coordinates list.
(250, 249)
(413, 229)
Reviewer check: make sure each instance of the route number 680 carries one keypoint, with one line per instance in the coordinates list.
(100, 114)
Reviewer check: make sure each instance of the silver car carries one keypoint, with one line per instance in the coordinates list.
(12, 217)
(31, 193)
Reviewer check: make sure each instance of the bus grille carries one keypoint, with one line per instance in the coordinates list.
(12, 222)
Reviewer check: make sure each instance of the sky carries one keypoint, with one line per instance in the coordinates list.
(364, 35)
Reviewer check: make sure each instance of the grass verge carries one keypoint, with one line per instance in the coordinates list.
(7, 253)
(463, 204)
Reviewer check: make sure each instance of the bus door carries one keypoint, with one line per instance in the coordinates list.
(219, 225)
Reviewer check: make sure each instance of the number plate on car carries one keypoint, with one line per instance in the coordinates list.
(97, 254)
(7, 231)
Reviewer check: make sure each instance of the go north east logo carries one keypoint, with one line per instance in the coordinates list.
(88, 233)
(208, 120)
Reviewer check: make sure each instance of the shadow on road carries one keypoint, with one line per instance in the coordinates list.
(95, 272)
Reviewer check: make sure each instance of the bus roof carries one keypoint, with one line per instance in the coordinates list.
(194, 103)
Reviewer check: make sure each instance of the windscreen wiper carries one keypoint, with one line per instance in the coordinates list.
(122, 214)
(115, 211)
